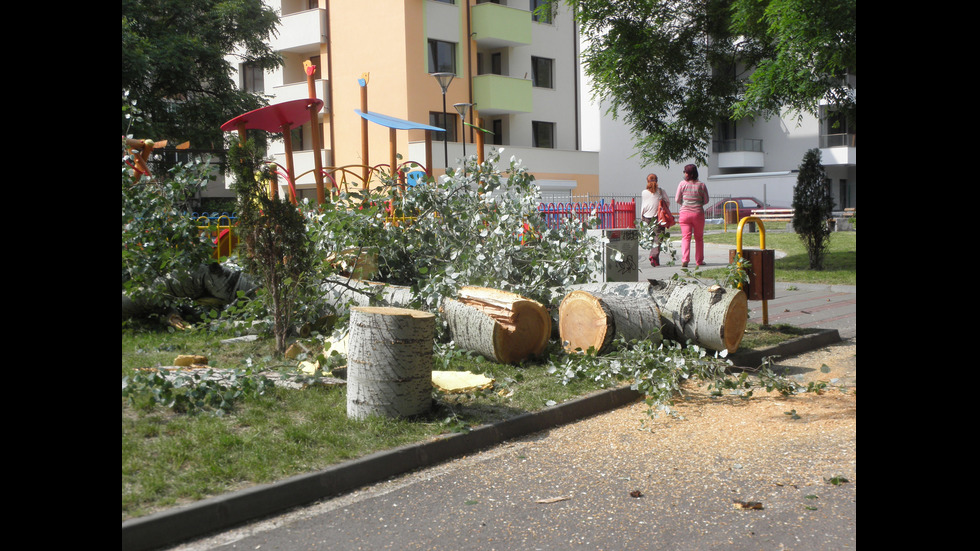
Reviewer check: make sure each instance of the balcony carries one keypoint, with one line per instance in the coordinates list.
(302, 31)
(838, 149)
(740, 153)
(496, 26)
(501, 95)
(300, 90)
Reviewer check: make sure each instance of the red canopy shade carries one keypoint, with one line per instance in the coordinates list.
(273, 117)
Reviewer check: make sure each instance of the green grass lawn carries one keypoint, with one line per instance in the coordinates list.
(170, 459)
(840, 260)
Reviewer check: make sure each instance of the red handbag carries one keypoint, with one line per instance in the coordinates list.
(664, 217)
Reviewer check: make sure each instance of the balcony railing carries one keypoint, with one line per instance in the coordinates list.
(838, 140)
(301, 31)
(744, 144)
(498, 94)
(496, 26)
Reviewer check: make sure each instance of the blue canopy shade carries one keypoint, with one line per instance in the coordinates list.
(396, 123)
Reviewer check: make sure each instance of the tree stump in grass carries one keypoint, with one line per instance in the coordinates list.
(389, 362)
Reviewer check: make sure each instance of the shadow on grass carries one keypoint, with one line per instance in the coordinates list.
(832, 262)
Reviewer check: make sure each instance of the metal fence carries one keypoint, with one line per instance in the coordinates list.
(220, 228)
(614, 214)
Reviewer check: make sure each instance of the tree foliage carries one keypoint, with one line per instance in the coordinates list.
(479, 226)
(813, 204)
(810, 47)
(276, 245)
(655, 64)
(674, 69)
(173, 64)
(160, 243)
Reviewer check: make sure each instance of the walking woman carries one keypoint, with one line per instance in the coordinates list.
(649, 211)
(692, 195)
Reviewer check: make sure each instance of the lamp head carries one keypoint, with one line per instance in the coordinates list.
(444, 79)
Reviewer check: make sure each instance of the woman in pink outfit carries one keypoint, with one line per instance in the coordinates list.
(692, 195)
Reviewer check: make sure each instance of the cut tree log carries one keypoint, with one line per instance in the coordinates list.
(587, 320)
(389, 362)
(502, 326)
(710, 316)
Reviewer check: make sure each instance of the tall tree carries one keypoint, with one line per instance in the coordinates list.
(810, 51)
(813, 204)
(174, 66)
(674, 69)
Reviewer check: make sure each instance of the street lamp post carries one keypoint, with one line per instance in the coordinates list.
(444, 79)
(462, 108)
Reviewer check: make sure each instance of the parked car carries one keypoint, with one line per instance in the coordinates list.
(746, 207)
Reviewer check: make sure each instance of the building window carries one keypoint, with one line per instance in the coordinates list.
(498, 132)
(541, 11)
(543, 134)
(449, 123)
(253, 78)
(296, 138)
(442, 56)
(542, 72)
(496, 64)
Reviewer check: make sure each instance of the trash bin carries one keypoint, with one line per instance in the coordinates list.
(731, 215)
(626, 267)
(762, 272)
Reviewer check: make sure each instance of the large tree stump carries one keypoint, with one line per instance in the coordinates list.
(500, 325)
(587, 320)
(710, 316)
(389, 362)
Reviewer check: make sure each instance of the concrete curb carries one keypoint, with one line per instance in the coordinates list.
(223, 512)
(752, 359)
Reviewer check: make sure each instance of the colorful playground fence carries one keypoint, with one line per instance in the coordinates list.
(220, 228)
(611, 215)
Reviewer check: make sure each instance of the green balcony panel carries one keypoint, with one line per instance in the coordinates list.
(496, 94)
(499, 26)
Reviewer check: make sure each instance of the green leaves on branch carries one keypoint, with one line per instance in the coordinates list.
(192, 391)
(660, 370)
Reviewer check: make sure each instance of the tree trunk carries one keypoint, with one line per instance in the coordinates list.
(587, 320)
(389, 362)
(710, 316)
(502, 326)
(213, 283)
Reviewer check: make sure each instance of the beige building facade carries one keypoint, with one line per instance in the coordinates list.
(516, 68)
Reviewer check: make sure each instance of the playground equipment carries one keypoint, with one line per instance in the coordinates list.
(284, 116)
(140, 151)
(280, 117)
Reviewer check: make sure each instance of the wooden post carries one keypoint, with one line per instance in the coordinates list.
(428, 153)
(393, 143)
(289, 160)
(364, 131)
(315, 128)
(479, 142)
(389, 362)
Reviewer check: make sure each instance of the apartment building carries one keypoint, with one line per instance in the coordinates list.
(517, 69)
(748, 158)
